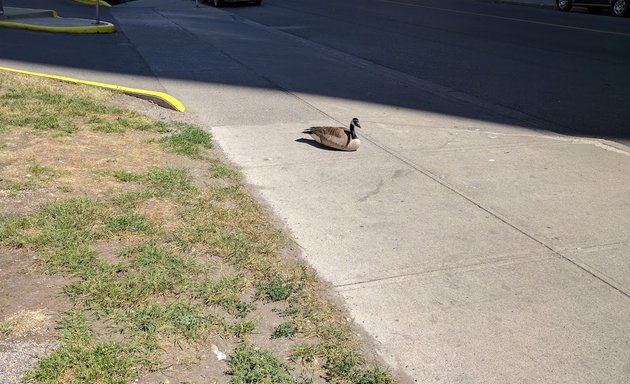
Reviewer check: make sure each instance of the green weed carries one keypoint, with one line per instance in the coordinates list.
(275, 289)
(5, 328)
(305, 354)
(344, 365)
(249, 365)
(188, 320)
(286, 329)
(242, 327)
(304, 380)
(374, 375)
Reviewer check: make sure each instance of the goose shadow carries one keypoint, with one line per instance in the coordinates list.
(315, 144)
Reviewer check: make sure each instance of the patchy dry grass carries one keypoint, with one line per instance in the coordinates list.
(161, 247)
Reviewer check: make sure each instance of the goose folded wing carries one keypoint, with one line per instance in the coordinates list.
(334, 132)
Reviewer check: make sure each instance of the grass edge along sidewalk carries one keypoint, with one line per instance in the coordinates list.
(162, 252)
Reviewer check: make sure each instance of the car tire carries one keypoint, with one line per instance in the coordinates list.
(218, 3)
(564, 5)
(620, 7)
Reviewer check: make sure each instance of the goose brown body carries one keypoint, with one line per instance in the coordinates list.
(340, 138)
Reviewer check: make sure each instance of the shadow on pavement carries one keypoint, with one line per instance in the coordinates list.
(215, 47)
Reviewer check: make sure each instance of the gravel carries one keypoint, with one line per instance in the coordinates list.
(19, 357)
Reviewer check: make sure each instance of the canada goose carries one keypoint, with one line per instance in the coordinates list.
(341, 138)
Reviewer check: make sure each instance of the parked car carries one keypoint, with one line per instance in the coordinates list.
(220, 3)
(617, 7)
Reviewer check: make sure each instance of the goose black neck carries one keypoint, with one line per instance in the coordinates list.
(352, 134)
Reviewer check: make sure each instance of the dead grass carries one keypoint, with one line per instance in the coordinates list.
(21, 323)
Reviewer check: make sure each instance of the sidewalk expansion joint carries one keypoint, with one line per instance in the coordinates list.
(532, 257)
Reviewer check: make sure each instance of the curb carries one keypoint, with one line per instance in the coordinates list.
(105, 27)
(159, 98)
(49, 21)
(28, 15)
(102, 3)
(535, 5)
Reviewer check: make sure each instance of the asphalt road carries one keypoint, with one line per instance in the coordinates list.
(568, 72)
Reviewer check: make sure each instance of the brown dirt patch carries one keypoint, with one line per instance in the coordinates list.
(26, 290)
(193, 364)
(31, 303)
(78, 165)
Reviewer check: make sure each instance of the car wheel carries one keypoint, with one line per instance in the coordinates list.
(218, 3)
(620, 7)
(564, 5)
